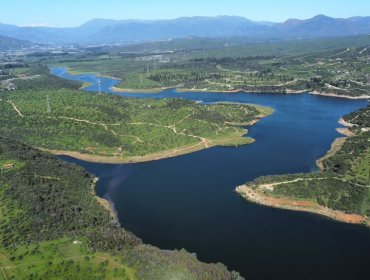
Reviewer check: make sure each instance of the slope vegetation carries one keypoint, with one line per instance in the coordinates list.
(340, 191)
(110, 128)
(52, 227)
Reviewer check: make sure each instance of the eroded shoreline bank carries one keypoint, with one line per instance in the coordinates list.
(258, 194)
(259, 197)
(339, 96)
(206, 90)
(105, 203)
(207, 143)
(118, 89)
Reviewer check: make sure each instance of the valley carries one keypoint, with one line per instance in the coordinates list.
(339, 72)
(120, 149)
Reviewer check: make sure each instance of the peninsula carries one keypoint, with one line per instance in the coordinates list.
(114, 129)
(341, 190)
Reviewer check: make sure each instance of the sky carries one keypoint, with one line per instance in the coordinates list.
(66, 13)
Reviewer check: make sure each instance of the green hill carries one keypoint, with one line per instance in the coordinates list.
(52, 227)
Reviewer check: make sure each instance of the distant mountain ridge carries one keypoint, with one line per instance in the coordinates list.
(7, 43)
(115, 31)
(323, 26)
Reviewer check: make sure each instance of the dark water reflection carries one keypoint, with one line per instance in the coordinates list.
(189, 201)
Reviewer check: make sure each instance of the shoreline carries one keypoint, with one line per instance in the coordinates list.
(335, 147)
(150, 157)
(338, 96)
(205, 90)
(143, 91)
(179, 89)
(337, 144)
(105, 203)
(344, 123)
(259, 197)
(174, 152)
(73, 72)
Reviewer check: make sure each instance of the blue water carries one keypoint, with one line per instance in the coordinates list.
(189, 201)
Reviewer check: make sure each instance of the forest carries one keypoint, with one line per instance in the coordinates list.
(52, 226)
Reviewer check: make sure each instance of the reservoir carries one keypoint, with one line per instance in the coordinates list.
(189, 201)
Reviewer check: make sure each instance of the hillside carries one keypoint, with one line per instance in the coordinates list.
(53, 227)
(7, 43)
(110, 128)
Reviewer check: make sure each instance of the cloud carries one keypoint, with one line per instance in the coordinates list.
(37, 24)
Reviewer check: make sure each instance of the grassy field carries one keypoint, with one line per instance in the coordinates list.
(343, 185)
(61, 259)
(120, 128)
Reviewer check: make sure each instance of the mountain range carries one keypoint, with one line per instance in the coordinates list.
(119, 31)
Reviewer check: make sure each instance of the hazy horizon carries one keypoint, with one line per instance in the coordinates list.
(165, 19)
(69, 13)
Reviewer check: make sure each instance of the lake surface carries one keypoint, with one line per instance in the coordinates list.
(189, 201)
